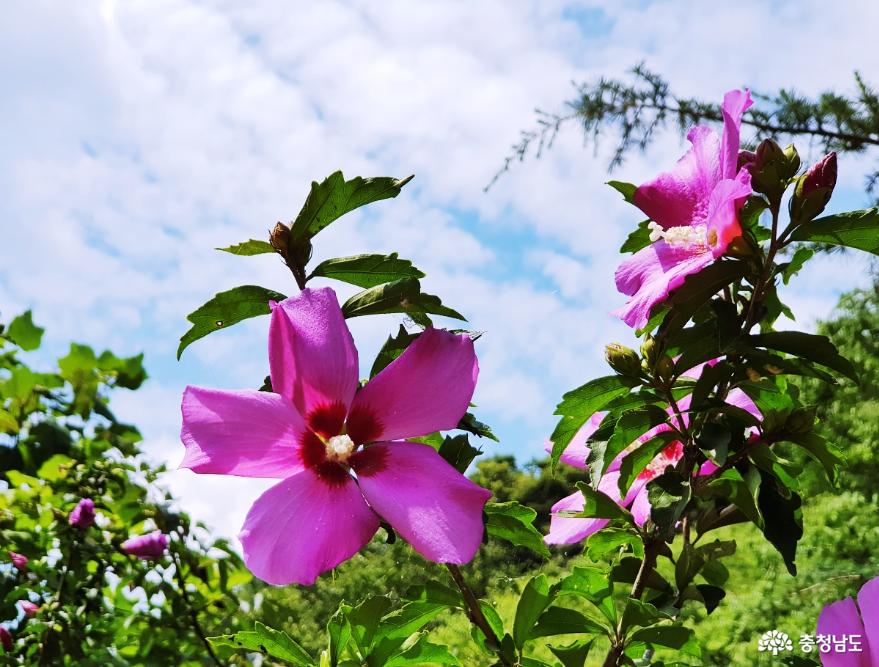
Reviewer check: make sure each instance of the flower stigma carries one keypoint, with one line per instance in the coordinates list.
(683, 236)
(339, 448)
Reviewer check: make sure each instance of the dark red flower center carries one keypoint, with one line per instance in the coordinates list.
(331, 443)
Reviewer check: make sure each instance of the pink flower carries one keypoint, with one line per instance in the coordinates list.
(5, 639)
(83, 515)
(569, 530)
(146, 547)
(842, 618)
(18, 560)
(694, 212)
(320, 427)
(821, 175)
(29, 608)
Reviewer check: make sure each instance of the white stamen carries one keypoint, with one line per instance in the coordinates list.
(339, 448)
(684, 236)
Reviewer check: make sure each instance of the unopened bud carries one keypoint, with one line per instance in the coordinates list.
(622, 359)
(769, 170)
(6, 639)
(814, 189)
(740, 247)
(279, 238)
(746, 160)
(792, 162)
(665, 368)
(648, 350)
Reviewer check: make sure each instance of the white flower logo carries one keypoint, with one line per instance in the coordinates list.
(775, 642)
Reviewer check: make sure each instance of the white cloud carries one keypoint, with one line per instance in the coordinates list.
(138, 136)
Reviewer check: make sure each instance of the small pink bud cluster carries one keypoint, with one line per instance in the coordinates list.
(83, 515)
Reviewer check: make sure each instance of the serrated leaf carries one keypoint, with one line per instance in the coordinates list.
(627, 190)
(638, 239)
(514, 523)
(820, 449)
(249, 248)
(639, 458)
(671, 636)
(535, 598)
(334, 197)
(573, 654)
(392, 348)
(629, 427)
(668, 495)
(472, 425)
(855, 229)
(225, 309)
(807, 346)
(610, 540)
(422, 653)
(367, 270)
(599, 505)
(458, 452)
(270, 642)
(23, 332)
(782, 516)
(400, 296)
(563, 621)
(793, 267)
(578, 405)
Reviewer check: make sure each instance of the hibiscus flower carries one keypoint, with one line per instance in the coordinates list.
(844, 618)
(340, 449)
(693, 211)
(565, 529)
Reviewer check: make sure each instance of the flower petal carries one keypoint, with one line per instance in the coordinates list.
(248, 433)
(841, 618)
(304, 526)
(425, 389)
(641, 506)
(868, 601)
(433, 506)
(570, 530)
(679, 197)
(723, 211)
(577, 451)
(312, 356)
(651, 273)
(735, 103)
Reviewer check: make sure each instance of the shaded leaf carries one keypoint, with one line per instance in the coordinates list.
(270, 642)
(399, 296)
(808, 346)
(855, 229)
(514, 523)
(23, 332)
(367, 270)
(535, 598)
(472, 425)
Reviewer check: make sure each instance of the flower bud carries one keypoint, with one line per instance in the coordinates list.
(146, 547)
(648, 350)
(280, 238)
(746, 160)
(771, 171)
(814, 189)
(622, 359)
(83, 515)
(665, 368)
(29, 608)
(792, 161)
(18, 560)
(5, 639)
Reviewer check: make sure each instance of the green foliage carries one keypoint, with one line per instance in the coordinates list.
(400, 296)
(367, 270)
(97, 605)
(856, 229)
(225, 309)
(249, 248)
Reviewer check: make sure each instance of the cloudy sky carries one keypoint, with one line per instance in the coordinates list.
(138, 136)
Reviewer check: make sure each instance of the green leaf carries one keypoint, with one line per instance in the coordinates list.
(599, 505)
(563, 621)
(588, 582)
(535, 598)
(338, 633)
(248, 248)
(420, 653)
(822, 451)
(792, 268)
(458, 452)
(671, 636)
(23, 332)
(610, 541)
(808, 346)
(334, 197)
(640, 457)
(750, 218)
(8, 423)
(127, 372)
(365, 619)
(434, 592)
(472, 425)
(638, 239)
(409, 618)
(696, 291)
(580, 404)
(514, 523)
(640, 614)
(856, 229)
(627, 190)
(392, 349)
(782, 518)
(267, 641)
(629, 427)
(668, 494)
(367, 270)
(574, 654)
(400, 296)
(225, 309)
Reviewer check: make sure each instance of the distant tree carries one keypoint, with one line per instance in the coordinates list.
(637, 108)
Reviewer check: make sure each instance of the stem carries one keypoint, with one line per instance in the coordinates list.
(196, 626)
(475, 612)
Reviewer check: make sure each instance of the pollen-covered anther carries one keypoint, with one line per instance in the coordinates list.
(339, 448)
(684, 236)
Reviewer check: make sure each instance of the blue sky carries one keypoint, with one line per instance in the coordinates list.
(138, 136)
